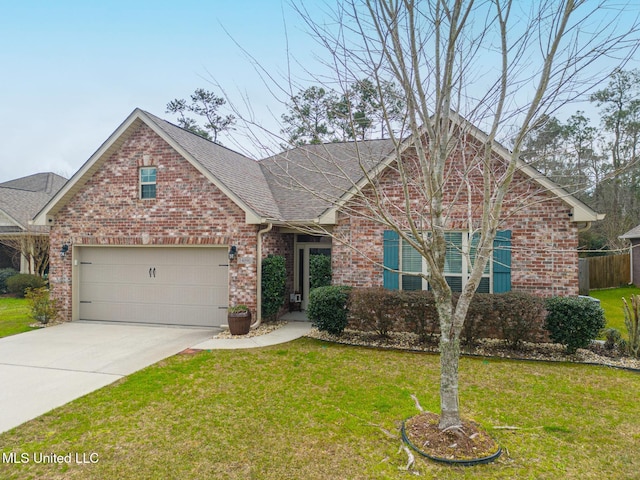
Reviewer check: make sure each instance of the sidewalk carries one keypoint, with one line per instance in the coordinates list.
(292, 330)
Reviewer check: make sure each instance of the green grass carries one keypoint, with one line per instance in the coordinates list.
(14, 316)
(313, 410)
(611, 302)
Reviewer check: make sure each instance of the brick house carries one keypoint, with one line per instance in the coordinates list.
(163, 226)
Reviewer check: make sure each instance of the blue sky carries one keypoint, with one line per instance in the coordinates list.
(72, 71)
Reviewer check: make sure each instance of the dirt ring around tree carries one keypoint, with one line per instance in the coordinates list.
(466, 446)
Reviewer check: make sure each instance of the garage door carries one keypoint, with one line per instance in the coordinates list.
(169, 286)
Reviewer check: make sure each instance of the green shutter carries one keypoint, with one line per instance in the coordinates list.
(390, 259)
(502, 262)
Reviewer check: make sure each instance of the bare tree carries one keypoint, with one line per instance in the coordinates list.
(499, 65)
(33, 247)
(537, 59)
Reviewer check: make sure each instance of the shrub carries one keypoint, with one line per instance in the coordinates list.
(479, 321)
(319, 271)
(327, 308)
(420, 314)
(573, 321)
(274, 284)
(5, 273)
(42, 307)
(375, 309)
(632, 323)
(612, 338)
(19, 283)
(519, 317)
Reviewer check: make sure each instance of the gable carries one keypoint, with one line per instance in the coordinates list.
(579, 212)
(221, 167)
(109, 204)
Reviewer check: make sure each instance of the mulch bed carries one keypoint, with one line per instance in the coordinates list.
(464, 444)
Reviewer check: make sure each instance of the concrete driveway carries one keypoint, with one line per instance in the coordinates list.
(43, 369)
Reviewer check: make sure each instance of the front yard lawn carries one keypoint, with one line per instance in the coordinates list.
(14, 316)
(611, 303)
(315, 410)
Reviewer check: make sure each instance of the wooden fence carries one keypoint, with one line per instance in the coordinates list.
(605, 272)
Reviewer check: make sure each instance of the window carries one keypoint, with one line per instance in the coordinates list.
(401, 256)
(148, 182)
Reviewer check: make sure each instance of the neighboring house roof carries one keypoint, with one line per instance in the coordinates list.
(633, 233)
(300, 185)
(22, 198)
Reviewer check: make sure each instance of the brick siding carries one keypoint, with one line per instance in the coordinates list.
(188, 210)
(544, 240)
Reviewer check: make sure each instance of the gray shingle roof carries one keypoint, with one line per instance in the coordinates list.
(22, 198)
(240, 174)
(307, 180)
(296, 185)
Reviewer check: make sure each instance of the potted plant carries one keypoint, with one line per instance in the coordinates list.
(239, 319)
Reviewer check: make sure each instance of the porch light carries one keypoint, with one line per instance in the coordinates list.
(233, 253)
(64, 250)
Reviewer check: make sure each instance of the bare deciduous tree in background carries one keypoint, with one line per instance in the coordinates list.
(33, 247)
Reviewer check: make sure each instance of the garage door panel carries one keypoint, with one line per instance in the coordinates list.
(193, 315)
(181, 286)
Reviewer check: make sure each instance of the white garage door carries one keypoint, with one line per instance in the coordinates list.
(156, 285)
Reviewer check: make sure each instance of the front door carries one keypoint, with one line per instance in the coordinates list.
(304, 273)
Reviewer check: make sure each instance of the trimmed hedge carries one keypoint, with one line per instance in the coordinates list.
(513, 317)
(574, 321)
(327, 308)
(18, 284)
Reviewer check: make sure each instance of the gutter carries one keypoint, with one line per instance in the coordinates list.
(260, 233)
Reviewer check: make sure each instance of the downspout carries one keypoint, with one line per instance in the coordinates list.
(267, 229)
(586, 227)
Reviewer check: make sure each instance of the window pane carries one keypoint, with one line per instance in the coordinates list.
(455, 283)
(148, 191)
(411, 259)
(411, 262)
(453, 259)
(148, 175)
(484, 285)
(411, 283)
(472, 254)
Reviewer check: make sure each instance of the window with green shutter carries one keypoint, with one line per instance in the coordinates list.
(401, 256)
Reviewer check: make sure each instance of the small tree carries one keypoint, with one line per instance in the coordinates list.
(43, 308)
(33, 247)
(458, 64)
(319, 271)
(274, 284)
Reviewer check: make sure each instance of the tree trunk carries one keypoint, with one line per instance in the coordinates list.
(449, 359)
